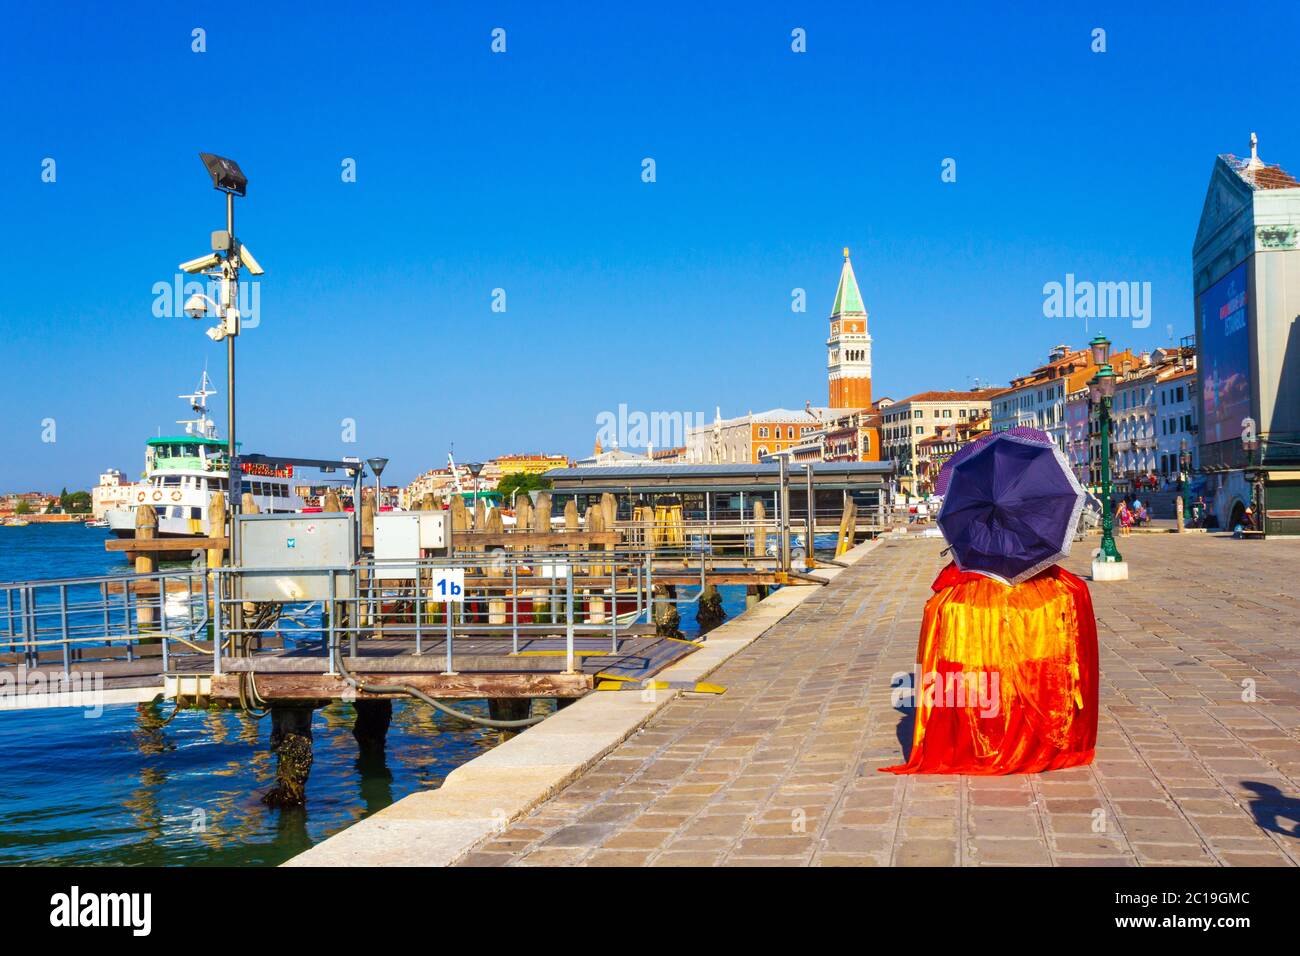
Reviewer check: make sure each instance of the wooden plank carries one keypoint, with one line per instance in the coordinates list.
(449, 686)
(165, 544)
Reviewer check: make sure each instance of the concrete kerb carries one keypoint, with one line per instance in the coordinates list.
(483, 796)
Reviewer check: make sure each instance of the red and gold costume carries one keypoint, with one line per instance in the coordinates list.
(1007, 679)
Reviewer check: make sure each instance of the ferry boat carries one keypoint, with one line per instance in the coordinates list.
(183, 472)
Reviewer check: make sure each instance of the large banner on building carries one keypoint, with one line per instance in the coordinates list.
(1225, 358)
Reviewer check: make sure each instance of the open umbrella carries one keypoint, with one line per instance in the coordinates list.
(1011, 507)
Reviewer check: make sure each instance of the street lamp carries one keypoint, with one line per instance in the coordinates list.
(475, 467)
(1100, 347)
(377, 465)
(1109, 565)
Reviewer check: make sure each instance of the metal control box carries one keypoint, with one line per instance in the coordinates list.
(287, 556)
(397, 545)
(433, 529)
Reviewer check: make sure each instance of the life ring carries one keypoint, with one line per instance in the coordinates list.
(157, 496)
(140, 496)
(176, 496)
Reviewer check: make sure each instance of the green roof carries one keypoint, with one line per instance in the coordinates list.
(847, 296)
(187, 440)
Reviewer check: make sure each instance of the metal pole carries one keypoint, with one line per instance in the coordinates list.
(808, 561)
(784, 507)
(568, 618)
(1108, 550)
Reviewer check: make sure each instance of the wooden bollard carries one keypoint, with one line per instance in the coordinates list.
(594, 520)
(291, 742)
(146, 562)
(709, 614)
(496, 603)
(216, 556)
(760, 530)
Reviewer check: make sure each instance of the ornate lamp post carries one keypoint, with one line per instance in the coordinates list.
(1109, 565)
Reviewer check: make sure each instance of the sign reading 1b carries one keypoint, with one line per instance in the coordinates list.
(448, 585)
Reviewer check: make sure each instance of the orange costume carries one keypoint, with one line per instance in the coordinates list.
(1007, 676)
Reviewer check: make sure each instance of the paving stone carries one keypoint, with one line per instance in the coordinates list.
(807, 719)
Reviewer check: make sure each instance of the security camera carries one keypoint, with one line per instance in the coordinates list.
(210, 261)
(196, 306)
(246, 257)
(217, 333)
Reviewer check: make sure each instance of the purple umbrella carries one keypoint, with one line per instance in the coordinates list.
(1011, 507)
(965, 451)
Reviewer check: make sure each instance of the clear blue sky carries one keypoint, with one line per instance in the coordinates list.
(523, 171)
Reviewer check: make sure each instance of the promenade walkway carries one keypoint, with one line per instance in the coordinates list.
(782, 768)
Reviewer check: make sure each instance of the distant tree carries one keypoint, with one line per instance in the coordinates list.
(77, 503)
(521, 483)
(22, 508)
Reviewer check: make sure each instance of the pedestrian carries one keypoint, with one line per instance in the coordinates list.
(1125, 518)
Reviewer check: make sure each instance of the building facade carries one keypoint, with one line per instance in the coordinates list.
(112, 493)
(906, 423)
(1246, 280)
(848, 357)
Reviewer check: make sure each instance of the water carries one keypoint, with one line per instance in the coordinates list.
(129, 787)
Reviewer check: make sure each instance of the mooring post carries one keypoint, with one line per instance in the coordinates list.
(710, 613)
(146, 529)
(668, 620)
(760, 529)
(373, 718)
(291, 744)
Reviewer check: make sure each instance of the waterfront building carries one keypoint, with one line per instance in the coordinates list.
(528, 464)
(1178, 414)
(1038, 399)
(906, 423)
(1079, 436)
(1246, 279)
(848, 359)
(933, 451)
(750, 438)
(112, 492)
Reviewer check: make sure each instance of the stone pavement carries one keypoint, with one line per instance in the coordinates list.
(781, 770)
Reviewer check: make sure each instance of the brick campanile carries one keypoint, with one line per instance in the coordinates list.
(848, 360)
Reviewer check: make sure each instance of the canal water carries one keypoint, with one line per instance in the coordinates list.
(130, 788)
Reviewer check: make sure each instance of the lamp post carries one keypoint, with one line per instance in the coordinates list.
(377, 465)
(224, 262)
(1109, 565)
(475, 467)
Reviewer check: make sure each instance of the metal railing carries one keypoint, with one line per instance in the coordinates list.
(508, 596)
(67, 621)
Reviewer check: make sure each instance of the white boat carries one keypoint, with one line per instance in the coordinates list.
(183, 472)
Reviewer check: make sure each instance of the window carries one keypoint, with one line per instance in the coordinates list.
(920, 430)
(762, 432)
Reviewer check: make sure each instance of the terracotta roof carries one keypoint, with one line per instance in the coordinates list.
(1260, 176)
(981, 396)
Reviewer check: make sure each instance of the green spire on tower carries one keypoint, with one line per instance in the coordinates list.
(847, 296)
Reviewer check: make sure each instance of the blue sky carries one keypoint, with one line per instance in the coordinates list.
(522, 171)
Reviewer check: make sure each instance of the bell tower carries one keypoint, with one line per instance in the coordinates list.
(848, 360)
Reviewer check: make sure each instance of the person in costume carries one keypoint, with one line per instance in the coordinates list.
(1007, 675)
